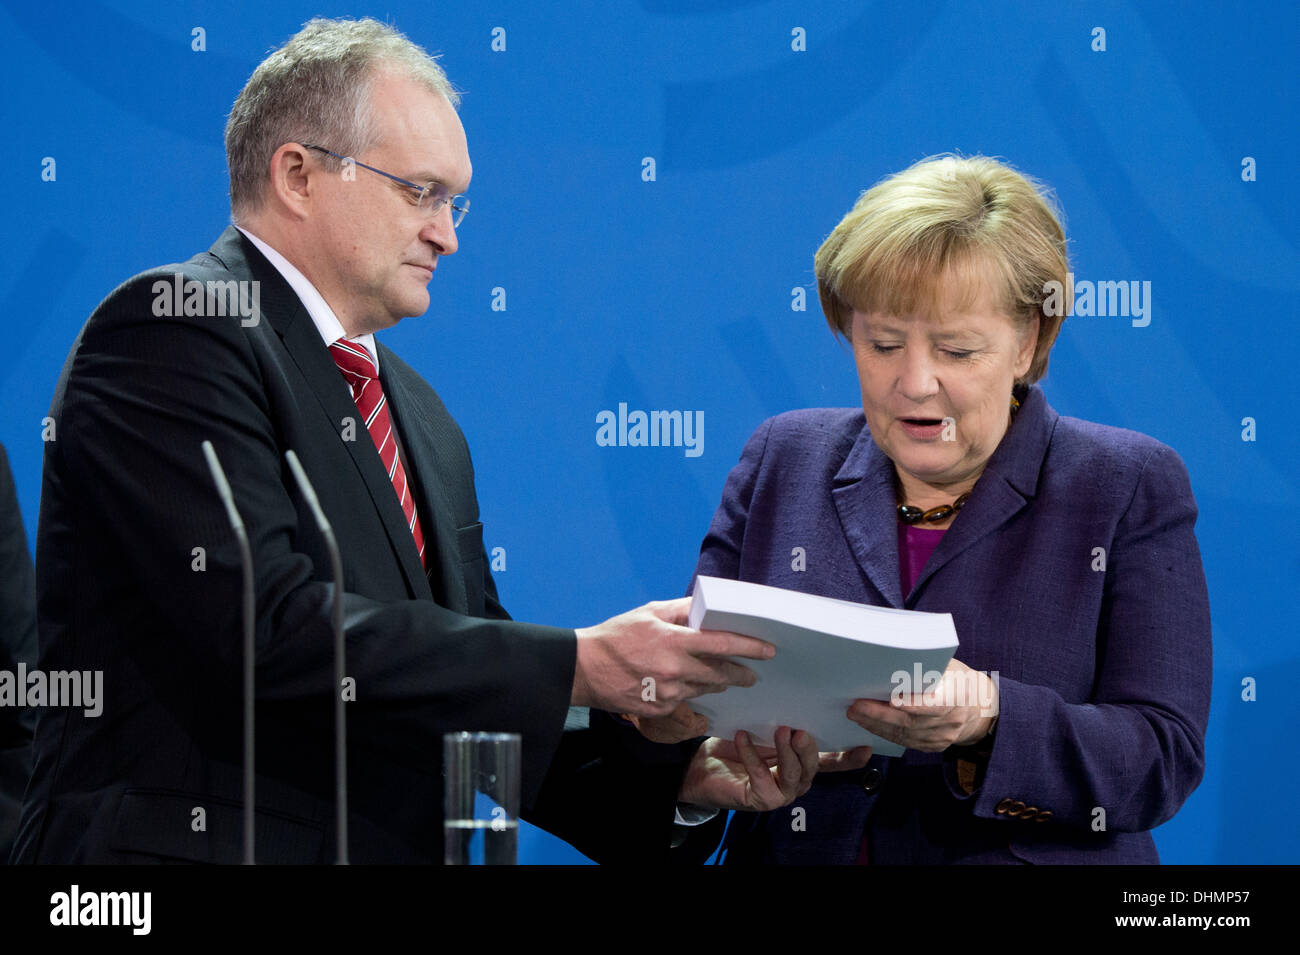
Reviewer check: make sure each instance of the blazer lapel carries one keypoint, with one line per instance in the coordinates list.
(1009, 479)
(284, 311)
(424, 476)
(863, 492)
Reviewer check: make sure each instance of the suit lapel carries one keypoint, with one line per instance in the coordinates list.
(284, 311)
(426, 480)
(864, 498)
(863, 492)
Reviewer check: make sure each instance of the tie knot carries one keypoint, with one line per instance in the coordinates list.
(353, 359)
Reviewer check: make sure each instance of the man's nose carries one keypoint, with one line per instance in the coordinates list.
(440, 231)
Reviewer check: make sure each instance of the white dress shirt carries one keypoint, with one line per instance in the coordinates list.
(327, 323)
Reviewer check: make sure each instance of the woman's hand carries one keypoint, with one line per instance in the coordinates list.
(961, 708)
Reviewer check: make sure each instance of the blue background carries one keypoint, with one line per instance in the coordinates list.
(677, 293)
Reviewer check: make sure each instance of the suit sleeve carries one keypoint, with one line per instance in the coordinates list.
(650, 774)
(141, 394)
(1136, 750)
(611, 793)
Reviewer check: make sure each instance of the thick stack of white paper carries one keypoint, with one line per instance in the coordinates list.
(828, 654)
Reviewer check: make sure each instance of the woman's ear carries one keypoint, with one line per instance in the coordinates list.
(1028, 345)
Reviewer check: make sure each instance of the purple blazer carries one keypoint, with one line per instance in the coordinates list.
(1103, 656)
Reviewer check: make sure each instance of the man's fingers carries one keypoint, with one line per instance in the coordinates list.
(721, 673)
(683, 715)
(699, 677)
(691, 723)
(766, 792)
(682, 723)
(671, 611)
(806, 748)
(684, 718)
(720, 643)
(789, 765)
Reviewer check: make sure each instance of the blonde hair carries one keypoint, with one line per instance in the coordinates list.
(949, 215)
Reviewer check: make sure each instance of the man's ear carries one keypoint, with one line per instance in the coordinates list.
(294, 180)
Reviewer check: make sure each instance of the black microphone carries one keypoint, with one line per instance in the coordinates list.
(340, 661)
(246, 559)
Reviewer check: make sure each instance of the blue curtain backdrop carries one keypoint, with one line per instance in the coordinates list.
(1170, 139)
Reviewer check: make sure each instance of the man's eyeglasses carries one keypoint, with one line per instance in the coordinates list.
(430, 197)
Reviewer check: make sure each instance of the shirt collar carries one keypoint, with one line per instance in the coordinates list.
(327, 323)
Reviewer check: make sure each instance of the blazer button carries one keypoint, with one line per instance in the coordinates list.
(1016, 808)
(872, 779)
(1043, 814)
(1004, 806)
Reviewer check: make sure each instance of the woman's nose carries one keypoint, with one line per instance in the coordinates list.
(917, 380)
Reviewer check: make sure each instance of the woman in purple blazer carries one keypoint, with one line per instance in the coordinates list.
(1063, 550)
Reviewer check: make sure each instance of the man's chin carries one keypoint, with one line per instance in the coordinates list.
(413, 306)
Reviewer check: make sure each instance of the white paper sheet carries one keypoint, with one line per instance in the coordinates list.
(829, 653)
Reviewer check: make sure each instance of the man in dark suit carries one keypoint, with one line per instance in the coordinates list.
(265, 343)
(17, 645)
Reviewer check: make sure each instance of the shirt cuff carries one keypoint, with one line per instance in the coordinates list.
(690, 815)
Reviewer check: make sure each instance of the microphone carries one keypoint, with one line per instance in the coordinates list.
(340, 662)
(246, 559)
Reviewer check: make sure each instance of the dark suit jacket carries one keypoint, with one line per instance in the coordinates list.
(128, 502)
(1104, 675)
(17, 644)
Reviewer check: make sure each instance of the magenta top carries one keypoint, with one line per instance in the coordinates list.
(915, 545)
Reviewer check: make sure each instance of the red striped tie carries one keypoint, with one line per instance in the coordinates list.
(363, 378)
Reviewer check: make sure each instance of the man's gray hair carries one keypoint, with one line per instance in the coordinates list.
(316, 89)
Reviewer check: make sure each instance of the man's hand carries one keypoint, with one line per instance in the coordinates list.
(926, 721)
(646, 661)
(681, 724)
(734, 774)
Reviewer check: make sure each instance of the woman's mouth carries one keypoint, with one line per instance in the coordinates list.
(922, 428)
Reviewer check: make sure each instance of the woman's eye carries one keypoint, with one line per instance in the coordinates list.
(958, 354)
(883, 349)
